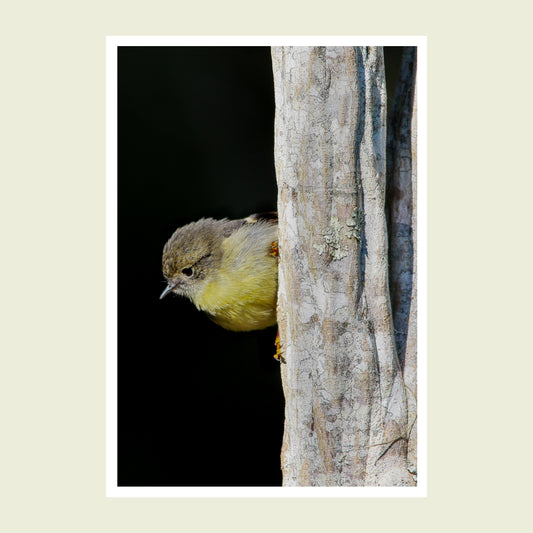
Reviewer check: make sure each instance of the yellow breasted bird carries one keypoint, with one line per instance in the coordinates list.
(228, 269)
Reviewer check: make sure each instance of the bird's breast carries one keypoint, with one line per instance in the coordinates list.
(242, 299)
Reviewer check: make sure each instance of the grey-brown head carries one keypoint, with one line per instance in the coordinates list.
(192, 253)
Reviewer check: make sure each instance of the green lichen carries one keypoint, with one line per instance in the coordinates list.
(333, 241)
(321, 248)
(355, 225)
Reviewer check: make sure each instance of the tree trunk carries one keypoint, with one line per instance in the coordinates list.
(346, 407)
(401, 208)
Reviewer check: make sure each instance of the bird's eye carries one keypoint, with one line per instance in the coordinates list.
(187, 272)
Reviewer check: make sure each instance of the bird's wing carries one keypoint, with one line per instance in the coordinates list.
(270, 216)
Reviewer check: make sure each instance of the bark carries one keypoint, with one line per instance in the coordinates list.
(401, 207)
(346, 407)
(410, 362)
(400, 199)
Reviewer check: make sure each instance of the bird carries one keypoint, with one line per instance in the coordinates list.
(228, 269)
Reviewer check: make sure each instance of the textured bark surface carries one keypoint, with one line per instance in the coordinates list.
(401, 206)
(400, 199)
(410, 360)
(346, 407)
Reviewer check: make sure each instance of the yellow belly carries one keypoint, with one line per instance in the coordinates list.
(244, 301)
(245, 318)
(242, 294)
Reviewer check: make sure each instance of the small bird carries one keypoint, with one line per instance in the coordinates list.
(228, 269)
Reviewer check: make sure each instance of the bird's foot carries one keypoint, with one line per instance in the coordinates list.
(278, 355)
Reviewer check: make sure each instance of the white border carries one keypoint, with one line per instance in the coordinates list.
(111, 270)
(113, 490)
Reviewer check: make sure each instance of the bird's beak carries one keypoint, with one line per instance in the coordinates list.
(168, 289)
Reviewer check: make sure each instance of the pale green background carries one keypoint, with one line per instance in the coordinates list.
(53, 266)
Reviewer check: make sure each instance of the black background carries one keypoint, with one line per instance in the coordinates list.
(197, 405)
